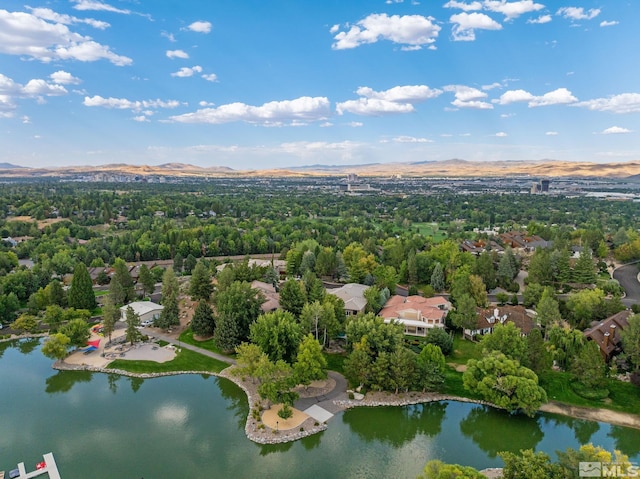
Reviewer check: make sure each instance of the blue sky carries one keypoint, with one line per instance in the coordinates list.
(263, 84)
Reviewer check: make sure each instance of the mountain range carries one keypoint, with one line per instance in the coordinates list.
(446, 168)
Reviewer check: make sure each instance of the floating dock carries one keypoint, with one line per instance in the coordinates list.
(50, 468)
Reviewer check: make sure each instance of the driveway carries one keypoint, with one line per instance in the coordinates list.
(627, 276)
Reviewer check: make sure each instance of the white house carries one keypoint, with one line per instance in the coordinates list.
(146, 310)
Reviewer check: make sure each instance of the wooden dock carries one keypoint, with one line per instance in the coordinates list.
(50, 468)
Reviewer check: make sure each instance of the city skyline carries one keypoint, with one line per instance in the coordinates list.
(259, 85)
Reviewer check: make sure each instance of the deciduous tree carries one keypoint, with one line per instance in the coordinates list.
(310, 364)
(55, 346)
(278, 334)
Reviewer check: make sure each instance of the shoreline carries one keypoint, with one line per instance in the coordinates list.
(260, 433)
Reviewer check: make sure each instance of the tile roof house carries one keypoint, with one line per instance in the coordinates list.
(353, 296)
(606, 333)
(488, 318)
(415, 313)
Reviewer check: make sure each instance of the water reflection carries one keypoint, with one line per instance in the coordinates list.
(583, 430)
(135, 383)
(397, 425)
(265, 450)
(495, 430)
(625, 442)
(28, 345)
(237, 401)
(63, 381)
(112, 381)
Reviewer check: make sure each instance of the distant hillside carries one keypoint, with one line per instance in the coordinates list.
(447, 168)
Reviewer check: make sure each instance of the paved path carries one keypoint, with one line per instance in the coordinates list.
(627, 276)
(326, 400)
(176, 342)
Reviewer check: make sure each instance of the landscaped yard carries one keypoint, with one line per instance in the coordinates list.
(208, 344)
(185, 360)
(463, 350)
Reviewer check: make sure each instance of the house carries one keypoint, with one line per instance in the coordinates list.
(524, 242)
(477, 247)
(606, 333)
(146, 310)
(415, 313)
(488, 318)
(353, 296)
(270, 294)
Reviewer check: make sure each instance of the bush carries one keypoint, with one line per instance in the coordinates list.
(285, 412)
(589, 393)
(441, 338)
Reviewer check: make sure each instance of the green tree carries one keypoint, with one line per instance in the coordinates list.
(584, 270)
(548, 309)
(431, 367)
(170, 315)
(465, 316)
(146, 280)
(77, 330)
(55, 293)
(55, 347)
(436, 469)
(584, 307)
(589, 367)
(227, 334)
(440, 338)
(478, 291)
(437, 278)
(540, 267)
(203, 322)
(81, 295)
(532, 294)
(293, 297)
(538, 358)
(631, 341)
(358, 364)
(25, 322)
(530, 465)
(565, 343)
(319, 319)
(310, 364)
(403, 369)
(110, 316)
(9, 305)
(248, 357)
(178, 263)
(506, 268)
(121, 285)
(240, 303)
(189, 263)
(506, 338)
(133, 321)
(372, 295)
(278, 334)
(505, 383)
(200, 287)
(380, 336)
(276, 380)
(485, 269)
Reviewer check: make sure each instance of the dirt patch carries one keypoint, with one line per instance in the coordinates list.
(271, 419)
(593, 414)
(316, 388)
(458, 367)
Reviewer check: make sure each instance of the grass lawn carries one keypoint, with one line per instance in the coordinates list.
(453, 385)
(101, 293)
(623, 397)
(430, 230)
(209, 345)
(185, 360)
(463, 350)
(335, 362)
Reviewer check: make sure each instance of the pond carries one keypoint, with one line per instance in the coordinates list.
(108, 426)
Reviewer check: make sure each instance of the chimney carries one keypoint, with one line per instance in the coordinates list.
(612, 330)
(496, 313)
(606, 341)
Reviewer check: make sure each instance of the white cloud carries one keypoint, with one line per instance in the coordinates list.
(615, 130)
(355, 124)
(205, 103)
(551, 133)
(200, 27)
(185, 72)
(608, 24)
(467, 7)
(468, 97)
(465, 25)
(326, 124)
(64, 78)
(406, 94)
(124, 104)
(623, 103)
(560, 96)
(501, 134)
(177, 54)
(50, 15)
(492, 86)
(411, 139)
(540, 20)
(98, 6)
(272, 113)
(41, 87)
(413, 30)
(141, 119)
(169, 36)
(373, 107)
(25, 34)
(512, 10)
(578, 13)
(212, 77)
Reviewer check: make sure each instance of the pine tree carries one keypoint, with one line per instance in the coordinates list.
(200, 287)
(170, 315)
(227, 334)
(437, 278)
(133, 321)
(584, 271)
(146, 279)
(110, 314)
(506, 271)
(121, 286)
(81, 295)
(203, 323)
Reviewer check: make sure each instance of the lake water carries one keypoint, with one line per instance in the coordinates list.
(107, 426)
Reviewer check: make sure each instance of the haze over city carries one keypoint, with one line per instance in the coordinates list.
(258, 85)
